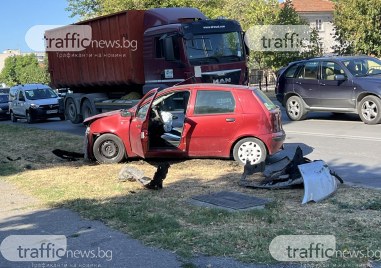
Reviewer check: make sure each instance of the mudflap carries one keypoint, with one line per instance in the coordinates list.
(318, 181)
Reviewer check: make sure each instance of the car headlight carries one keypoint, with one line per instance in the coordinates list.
(34, 106)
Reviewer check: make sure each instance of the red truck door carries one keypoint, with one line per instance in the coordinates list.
(139, 124)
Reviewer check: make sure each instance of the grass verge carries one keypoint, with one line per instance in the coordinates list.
(166, 218)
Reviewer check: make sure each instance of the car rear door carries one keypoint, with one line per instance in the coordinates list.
(306, 83)
(212, 123)
(139, 124)
(19, 103)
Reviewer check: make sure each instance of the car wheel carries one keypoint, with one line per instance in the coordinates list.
(87, 110)
(295, 108)
(108, 148)
(13, 117)
(251, 149)
(369, 110)
(29, 118)
(71, 112)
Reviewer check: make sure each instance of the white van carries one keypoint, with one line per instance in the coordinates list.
(33, 101)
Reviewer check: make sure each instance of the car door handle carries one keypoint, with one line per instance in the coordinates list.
(322, 84)
(230, 119)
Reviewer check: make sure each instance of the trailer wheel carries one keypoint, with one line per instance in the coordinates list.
(109, 148)
(87, 109)
(71, 112)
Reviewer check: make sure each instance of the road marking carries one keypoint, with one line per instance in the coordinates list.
(334, 136)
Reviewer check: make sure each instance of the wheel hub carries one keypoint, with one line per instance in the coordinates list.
(109, 149)
(249, 151)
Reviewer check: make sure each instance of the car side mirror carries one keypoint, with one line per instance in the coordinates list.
(340, 77)
(126, 113)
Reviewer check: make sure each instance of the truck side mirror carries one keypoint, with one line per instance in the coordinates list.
(169, 53)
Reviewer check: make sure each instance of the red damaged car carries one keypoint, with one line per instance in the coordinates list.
(190, 121)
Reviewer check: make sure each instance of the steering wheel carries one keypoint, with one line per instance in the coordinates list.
(157, 113)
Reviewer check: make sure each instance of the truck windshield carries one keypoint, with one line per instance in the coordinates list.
(215, 48)
(40, 93)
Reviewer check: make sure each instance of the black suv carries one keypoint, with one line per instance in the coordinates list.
(333, 84)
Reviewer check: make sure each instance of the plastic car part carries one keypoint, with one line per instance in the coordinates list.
(318, 181)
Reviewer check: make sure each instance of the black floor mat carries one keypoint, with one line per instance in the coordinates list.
(232, 200)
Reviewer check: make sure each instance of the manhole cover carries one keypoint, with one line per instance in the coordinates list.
(230, 201)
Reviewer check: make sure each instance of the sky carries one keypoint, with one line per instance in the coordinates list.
(18, 16)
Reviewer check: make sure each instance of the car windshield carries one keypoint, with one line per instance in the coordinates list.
(40, 93)
(3, 98)
(264, 99)
(363, 66)
(214, 48)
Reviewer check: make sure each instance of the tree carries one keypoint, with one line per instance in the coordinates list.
(92, 8)
(288, 16)
(358, 27)
(24, 69)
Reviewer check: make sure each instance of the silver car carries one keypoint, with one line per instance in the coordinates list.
(34, 101)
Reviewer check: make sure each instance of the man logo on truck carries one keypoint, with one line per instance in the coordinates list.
(222, 81)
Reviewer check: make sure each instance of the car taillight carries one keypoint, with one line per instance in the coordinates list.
(276, 121)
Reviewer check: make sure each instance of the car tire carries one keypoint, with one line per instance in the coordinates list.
(87, 109)
(29, 118)
(13, 117)
(369, 110)
(71, 112)
(109, 148)
(251, 149)
(295, 108)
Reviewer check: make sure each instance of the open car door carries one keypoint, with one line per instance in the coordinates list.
(139, 124)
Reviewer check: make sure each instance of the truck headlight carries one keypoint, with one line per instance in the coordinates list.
(34, 106)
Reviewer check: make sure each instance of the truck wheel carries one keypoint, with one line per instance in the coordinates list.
(71, 112)
(109, 148)
(369, 110)
(87, 109)
(13, 117)
(29, 118)
(251, 149)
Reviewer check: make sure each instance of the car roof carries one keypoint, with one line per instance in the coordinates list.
(31, 86)
(211, 86)
(339, 58)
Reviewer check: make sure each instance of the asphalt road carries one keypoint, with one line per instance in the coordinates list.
(351, 148)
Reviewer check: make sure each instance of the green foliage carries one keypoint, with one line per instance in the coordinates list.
(86, 9)
(23, 70)
(358, 27)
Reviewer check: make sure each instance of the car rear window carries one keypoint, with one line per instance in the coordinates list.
(264, 99)
(214, 102)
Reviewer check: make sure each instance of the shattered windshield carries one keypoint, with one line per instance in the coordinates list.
(214, 48)
(363, 66)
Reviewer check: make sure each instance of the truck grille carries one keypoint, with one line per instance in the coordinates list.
(221, 77)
